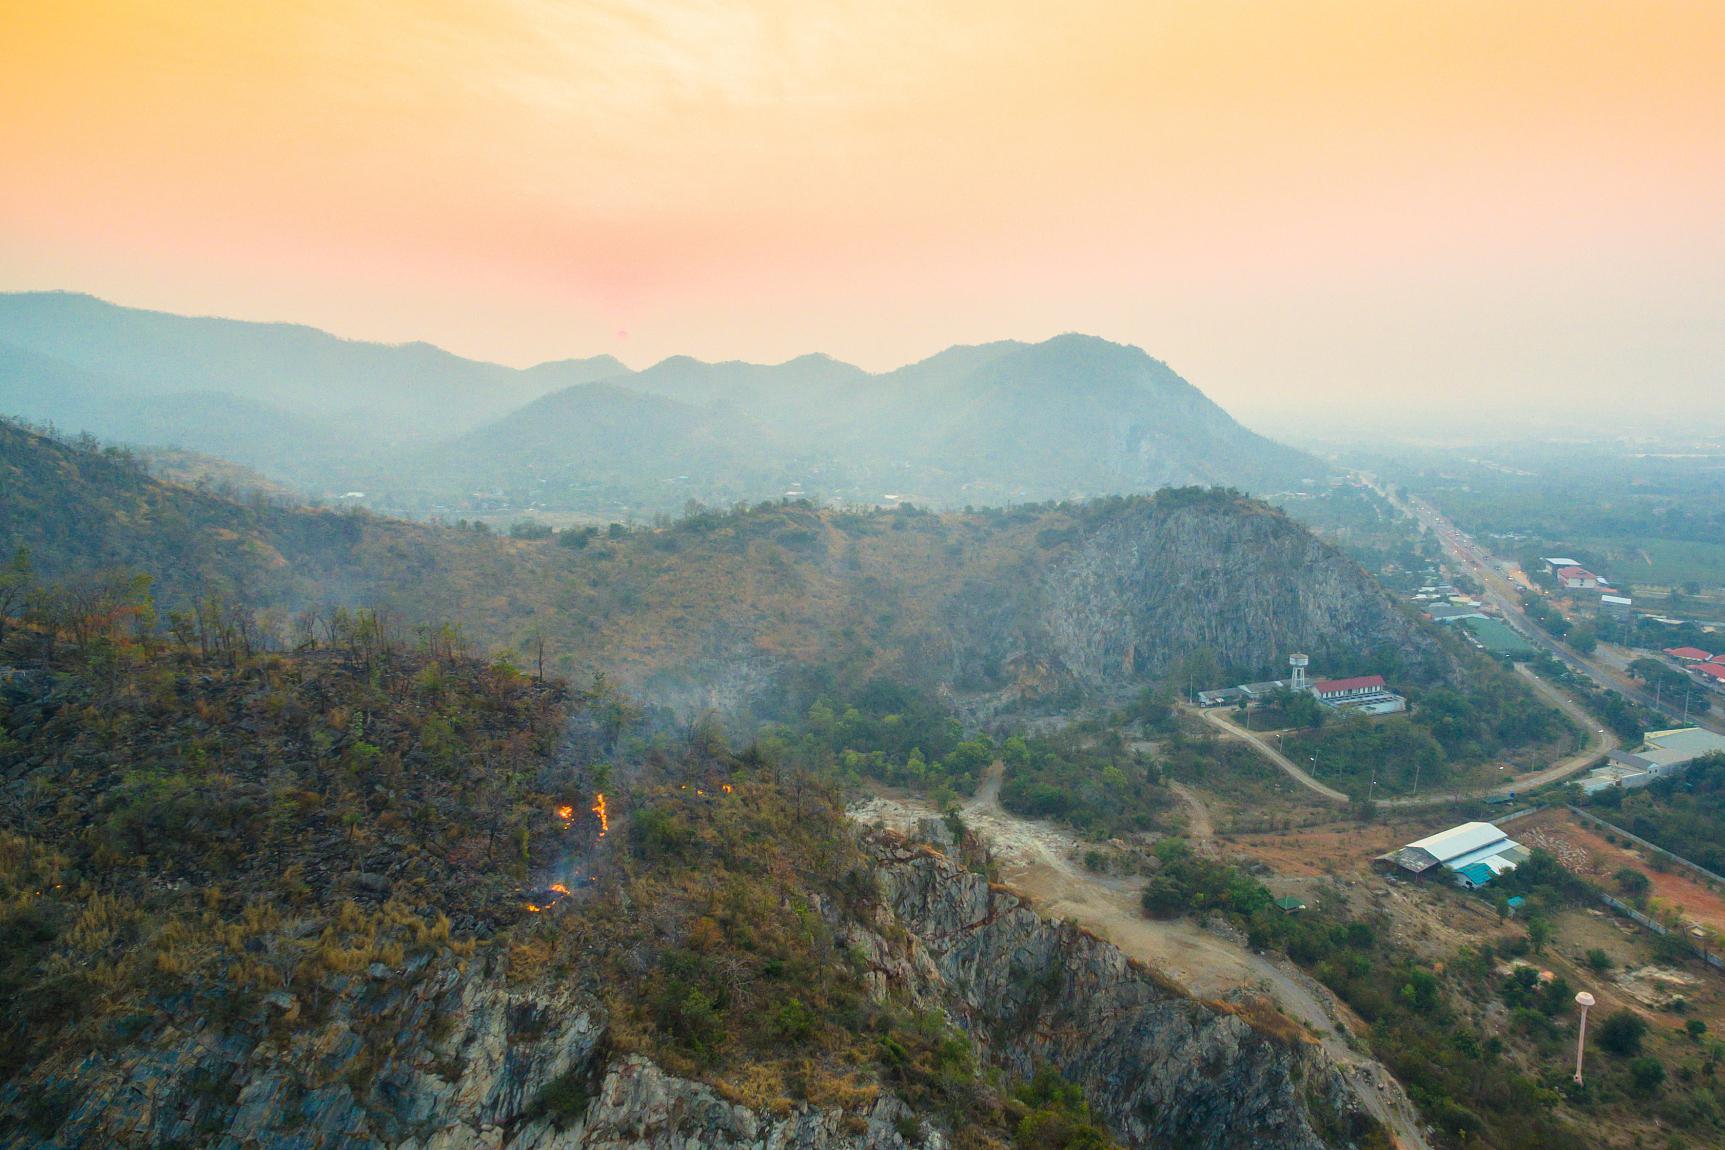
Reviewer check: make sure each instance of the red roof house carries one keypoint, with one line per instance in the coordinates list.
(1359, 685)
(1688, 654)
(1715, 671)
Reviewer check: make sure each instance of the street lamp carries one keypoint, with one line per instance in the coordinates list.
(1583, 1000)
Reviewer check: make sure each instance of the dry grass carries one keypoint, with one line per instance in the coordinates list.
(1266, 1018)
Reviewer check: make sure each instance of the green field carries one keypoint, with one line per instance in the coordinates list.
(1659, 561)
(1499, 637)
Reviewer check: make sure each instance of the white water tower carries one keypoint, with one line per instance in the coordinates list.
(1297, 665)
(1583, 1000)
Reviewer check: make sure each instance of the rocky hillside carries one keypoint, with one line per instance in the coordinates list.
(1160, 1068)
(365, 898)
(738, 609)
(427, 1055)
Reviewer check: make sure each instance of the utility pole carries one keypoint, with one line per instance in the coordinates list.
(1583, 1000)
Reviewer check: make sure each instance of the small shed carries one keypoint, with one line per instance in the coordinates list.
(1288, 904)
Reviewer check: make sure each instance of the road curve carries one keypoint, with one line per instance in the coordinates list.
(1600, 742)
(1216, 719)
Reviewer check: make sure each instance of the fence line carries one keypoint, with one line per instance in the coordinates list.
(1654, 847)
(1659, 928)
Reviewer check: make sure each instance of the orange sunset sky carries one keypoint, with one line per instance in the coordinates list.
(1290, 202)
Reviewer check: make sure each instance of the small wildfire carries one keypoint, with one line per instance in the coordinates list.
(540, 901)
(566, 813)
(599, 809)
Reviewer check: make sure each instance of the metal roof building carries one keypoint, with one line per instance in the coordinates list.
(1475, 853)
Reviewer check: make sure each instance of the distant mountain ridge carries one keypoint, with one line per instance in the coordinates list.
(423, 431)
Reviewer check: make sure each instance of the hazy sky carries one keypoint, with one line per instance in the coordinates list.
(1296, 204)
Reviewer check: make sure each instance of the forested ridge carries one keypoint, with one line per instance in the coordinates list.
(742, 607)
(323, 863)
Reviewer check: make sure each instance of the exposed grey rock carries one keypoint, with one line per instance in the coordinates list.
(1159, 579)
(1158, 1067)
(457, 1059)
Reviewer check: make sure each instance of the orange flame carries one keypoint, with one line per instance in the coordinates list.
(727, 787)
(559, 888)
(566, 813)
(534, 909)
(599, 809)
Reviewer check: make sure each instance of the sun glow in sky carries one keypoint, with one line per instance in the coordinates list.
(1290, 202)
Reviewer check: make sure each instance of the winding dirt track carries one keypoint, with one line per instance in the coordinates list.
(1037, 861)
(1222, 723)
(1600, 741)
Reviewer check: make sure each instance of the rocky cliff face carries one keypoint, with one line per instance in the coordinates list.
(1159, 1068)
(449, 1056)
(1242, 581)
(1137, 589)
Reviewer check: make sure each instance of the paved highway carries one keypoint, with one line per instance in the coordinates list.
(1502, 594)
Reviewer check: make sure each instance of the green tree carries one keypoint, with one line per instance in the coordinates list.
(1621, 1033)
(1647, 1073)
(1632, 883)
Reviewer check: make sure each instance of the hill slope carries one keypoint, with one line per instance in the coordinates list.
(397, 392)
(1074, 417)
(307, 901)
(422, 431)
(741, 608)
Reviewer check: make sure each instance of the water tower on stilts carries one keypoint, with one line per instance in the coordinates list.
(1297, 668)
(1583, 1000)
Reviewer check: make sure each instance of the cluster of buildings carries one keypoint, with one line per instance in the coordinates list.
(1362, 694)
(1703, 665)
(1661, 753)
(1570, 577)
(1472, 854)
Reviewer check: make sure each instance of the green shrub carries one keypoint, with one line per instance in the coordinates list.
(1621, 1033)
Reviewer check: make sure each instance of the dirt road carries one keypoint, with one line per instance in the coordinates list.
(1221, 722)
(1037, 860)
(1600, 741)
(1200, 827)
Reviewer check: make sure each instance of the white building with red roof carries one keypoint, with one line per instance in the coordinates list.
(1688, 654)
(1576, 579)
(1366, 693)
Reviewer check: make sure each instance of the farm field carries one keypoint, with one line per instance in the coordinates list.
(1584, 851)
(1659, 562)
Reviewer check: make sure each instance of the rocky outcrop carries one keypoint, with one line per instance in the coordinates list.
(640, 1106)
(1237, 579)
(446, 1054)
(1137, 587)
(1158, 1067)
